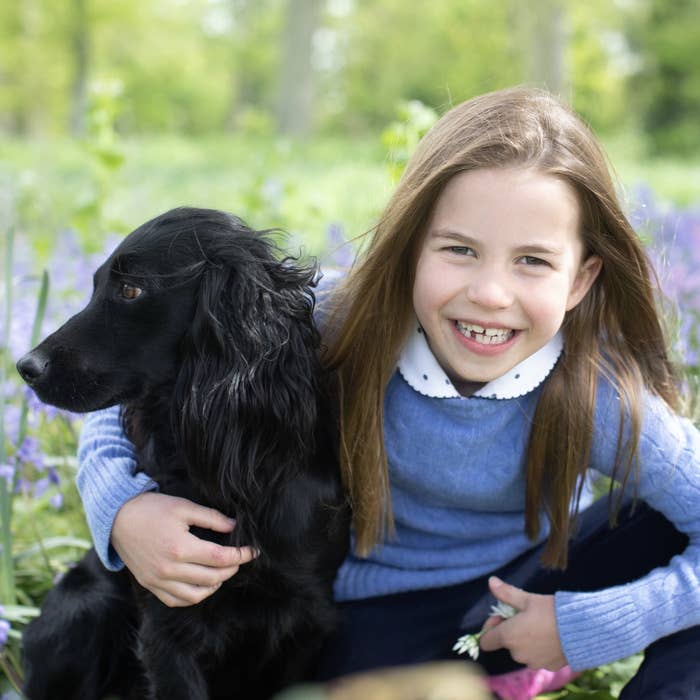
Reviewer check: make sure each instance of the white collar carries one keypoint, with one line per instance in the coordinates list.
(421, 370)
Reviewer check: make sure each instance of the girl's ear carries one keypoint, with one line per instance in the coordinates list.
(586, 276)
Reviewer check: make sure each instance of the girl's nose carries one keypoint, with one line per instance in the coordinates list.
(489, 291)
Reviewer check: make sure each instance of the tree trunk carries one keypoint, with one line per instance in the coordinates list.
(543, 28)
(80, 48)
(295, 92)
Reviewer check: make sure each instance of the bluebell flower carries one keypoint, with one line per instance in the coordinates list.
(29, 452)
(23, 486)
(340, 252)
(12, 418)
(40, 486)
(673, 237)
(4, 632)
(7, 472)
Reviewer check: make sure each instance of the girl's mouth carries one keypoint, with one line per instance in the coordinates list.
(484, 336)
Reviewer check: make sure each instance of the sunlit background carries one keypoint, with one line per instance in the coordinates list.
(296, 114)
(276, 108)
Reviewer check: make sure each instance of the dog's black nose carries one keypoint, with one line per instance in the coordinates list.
(32, 366)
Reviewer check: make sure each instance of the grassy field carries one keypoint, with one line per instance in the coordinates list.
(301, 187)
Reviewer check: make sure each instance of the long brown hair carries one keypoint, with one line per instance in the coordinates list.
(615, 330)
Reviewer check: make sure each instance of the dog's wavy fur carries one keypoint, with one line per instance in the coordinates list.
(215, 364)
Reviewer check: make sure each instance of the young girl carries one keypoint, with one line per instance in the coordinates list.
(496, 342)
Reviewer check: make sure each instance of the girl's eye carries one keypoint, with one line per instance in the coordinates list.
(128, 291)
(461, 250)
(531, 260)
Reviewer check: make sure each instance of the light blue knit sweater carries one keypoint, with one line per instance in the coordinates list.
(458, 492)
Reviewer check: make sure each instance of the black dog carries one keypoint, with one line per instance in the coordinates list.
(206, 340)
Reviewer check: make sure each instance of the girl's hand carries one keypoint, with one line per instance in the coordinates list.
(151, 535)
(531, 636)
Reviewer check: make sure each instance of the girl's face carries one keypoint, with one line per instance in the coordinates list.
(500, 264)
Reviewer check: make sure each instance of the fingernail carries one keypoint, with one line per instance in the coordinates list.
(495, 581)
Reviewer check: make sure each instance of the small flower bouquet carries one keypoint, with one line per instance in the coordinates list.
(469, 643)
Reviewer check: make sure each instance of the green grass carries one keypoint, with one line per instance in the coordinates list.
(300, 187)
(672, 179)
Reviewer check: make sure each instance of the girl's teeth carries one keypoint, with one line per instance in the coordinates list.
(485, 336)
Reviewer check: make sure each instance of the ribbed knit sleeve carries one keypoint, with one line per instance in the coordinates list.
(106, 478)
(603, 626)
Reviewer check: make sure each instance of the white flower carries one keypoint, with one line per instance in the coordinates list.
(503, 610)
(469, 643)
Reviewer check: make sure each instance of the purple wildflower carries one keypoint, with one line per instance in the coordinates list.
(339, 251)
(7, 472)
(40, 487)
(56, 501)
(29, 452)
(23, 486)
(36, 406)
(674, 248)
(4, 632)
(12, 418)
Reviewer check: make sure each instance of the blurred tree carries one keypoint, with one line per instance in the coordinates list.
(542, 29)
(251, 55)
(80, 44)
(32, 72)
(295, 91)
(600, 62)
(439, 53)
(202, 66)
(667, 88)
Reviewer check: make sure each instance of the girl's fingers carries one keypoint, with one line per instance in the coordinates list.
(181, 595)
(506, 593)
(208, 518)
(199, 576)
(217, 556)
(492, 622)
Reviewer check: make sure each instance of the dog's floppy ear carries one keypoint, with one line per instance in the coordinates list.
(248, 384)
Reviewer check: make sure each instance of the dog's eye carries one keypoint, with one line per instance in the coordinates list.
(128, 291)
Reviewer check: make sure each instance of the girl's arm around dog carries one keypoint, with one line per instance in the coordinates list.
(132, 524)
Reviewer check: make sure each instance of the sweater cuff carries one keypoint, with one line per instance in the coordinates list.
(598, 628)
(104, 491)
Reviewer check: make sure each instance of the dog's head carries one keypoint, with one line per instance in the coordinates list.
(191, 286)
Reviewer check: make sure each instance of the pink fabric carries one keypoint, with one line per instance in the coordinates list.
(527, 683)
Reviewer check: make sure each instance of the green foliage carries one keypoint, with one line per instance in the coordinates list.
(600, 63)
(104, 158)
(602, 683)
(206, 67)
(441, 56)
(667, 89)
(9, 594)
(401, 137)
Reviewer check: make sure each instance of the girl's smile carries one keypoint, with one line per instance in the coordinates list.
(500, 265)
(485, 339)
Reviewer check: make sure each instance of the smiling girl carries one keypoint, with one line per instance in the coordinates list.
(497, 344)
